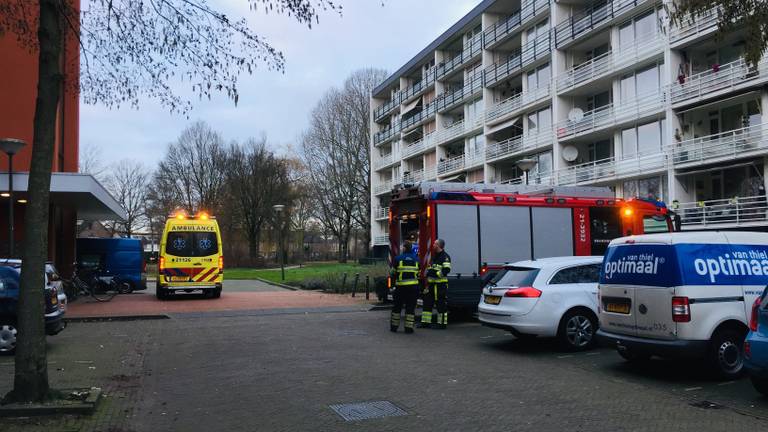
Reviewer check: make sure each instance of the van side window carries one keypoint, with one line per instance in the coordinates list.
(653, 224)
(580, 274)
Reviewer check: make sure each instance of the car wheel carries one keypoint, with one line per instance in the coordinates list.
(162, 293)
(761, 384)
(7, 338)
(726, 355)
(124, 288)
(216, 293)
(633, 356)
(577, 330)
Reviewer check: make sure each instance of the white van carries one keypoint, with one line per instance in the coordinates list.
(682, 295)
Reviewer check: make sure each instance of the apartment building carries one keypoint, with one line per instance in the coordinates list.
(605, 93)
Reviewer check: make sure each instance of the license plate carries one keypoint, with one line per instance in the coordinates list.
(494, 300)
(180, 279)
(621, 308)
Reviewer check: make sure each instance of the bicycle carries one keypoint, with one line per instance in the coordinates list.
(101, 288)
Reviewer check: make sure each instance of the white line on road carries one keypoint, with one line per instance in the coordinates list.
(565, 356)
(593, 353)
(726, 383)
(694, 388)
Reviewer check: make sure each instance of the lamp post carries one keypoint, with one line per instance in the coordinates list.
(10, 146)
(279, 208)
(526, 165)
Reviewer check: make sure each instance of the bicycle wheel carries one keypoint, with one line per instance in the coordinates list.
(103, 293)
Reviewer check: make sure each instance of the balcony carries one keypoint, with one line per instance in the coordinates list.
(424, 115)
(517, 145)
(447, 101)
(611, 169)
(380, 112)
(533, 179)
(724, 213)
(450, 165)
(715, 81)
(416, 89)
(594, 18)
(380, 213)
(474, 159)
(610, 63)
(385, 135)
(516, 103)
(734, 144)
(424, 174)
(384, 186)
(612, 115)
(536, 49)
(499, 71)
(381, 240)
(385, 161)
(691, 29)
(426, 142)
(471, 49)
(505, 28)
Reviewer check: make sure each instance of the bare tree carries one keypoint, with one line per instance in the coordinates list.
(256, 180)
(127, 182)
(130, 50)
(90, 161)
(336, 154)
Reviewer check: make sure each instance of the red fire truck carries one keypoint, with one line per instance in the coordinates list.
(484, 225)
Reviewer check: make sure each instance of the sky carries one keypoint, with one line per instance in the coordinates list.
(278, 105)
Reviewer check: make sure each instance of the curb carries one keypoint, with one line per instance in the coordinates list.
(87, 406)
(116, 318)
(277, 284)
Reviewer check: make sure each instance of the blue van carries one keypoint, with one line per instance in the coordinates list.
(121, 258)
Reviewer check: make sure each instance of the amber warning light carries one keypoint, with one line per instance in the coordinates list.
(627, 212)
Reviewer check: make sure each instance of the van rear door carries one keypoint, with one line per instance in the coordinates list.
(616, 295)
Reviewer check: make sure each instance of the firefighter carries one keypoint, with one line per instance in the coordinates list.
(405, 273)
(437, 290)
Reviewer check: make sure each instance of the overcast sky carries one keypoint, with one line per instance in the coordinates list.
(367, 35)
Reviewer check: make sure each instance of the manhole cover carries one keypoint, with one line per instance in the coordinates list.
(367, 410)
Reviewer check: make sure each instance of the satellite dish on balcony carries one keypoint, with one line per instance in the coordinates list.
(570, 153)
(575, 114)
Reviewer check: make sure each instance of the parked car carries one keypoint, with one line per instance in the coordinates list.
(682, 295)
(52, 278)
(119, 258)
(756, 344)
(551, 297)
(9, 296)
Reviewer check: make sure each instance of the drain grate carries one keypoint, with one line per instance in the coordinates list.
(367, 410)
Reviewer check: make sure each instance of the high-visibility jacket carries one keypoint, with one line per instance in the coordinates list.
(439, 268)
(405, 269)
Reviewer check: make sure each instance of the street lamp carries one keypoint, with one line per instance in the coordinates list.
(10, 146)
(279, 208)
(526, 165)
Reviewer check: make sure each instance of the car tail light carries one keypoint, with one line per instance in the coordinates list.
(681, 309)
(161, 264)
(525, 292)
(747, 350)
(483, 270)
(753, 318)
(221, 263)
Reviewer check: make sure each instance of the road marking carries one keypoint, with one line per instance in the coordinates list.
(593, 353)
(726, 383)
(84, 361)
(565, 356)
(694, 388)
(485, 337)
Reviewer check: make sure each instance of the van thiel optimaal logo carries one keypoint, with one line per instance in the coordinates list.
(742, 261)
(634, 264)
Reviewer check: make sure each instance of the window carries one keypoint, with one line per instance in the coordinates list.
(515, 277)
(539, 77)
(474, 109)
(476, 144)
(654, 224)
(575, 275)
(540, 121)
(628, 143)
(640, 83)
(641, 140)
(545, 163)
(644, 188)
(639, 28)
(191, 244)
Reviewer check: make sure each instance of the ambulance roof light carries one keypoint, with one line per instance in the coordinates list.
(202, 215)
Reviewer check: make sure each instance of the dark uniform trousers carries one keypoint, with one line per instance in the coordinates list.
(436, 297)
(404, 296)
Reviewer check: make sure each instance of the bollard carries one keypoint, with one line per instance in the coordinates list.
(343, 283)
(354, 287)
(367, 287)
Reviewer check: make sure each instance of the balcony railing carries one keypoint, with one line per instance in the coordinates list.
(471, 49)
(517, 102)
(533, 179)
(384, 161)
(499, 71)
(732, 144)
(690, 26)
(383, 186)
(385, 134)
(612, 115)
(385, 109)
(448, 100)
(425, 114)
(610, 168)
(506, 27)
(535, 49)
(427, 79)
(594, 17)
(381, 213)
(381, 240)
(610, 62)
(517, 145)
(474, 159)
(446, 166)
(427, 141)
(722, 77)
(733, 211)
(423, 174)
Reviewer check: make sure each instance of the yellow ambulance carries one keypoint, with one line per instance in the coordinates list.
(191, 257)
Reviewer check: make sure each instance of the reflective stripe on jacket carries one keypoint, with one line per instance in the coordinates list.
(440, 268)
(406, 269)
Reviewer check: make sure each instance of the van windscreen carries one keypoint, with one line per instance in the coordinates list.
(191, 244)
